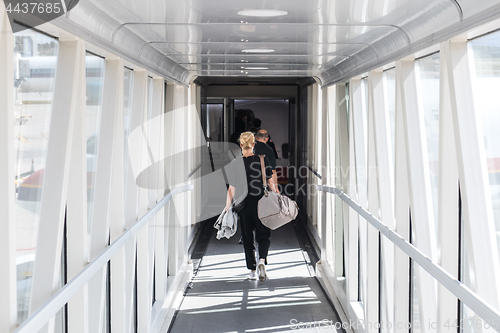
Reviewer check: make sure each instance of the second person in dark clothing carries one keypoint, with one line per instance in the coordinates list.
(249, 219)
(261, 148)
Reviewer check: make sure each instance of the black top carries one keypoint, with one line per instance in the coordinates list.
(263, 149)
(253, 176)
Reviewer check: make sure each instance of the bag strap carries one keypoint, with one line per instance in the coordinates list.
(264, 180)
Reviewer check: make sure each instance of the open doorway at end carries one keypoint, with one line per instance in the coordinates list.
(272, 115)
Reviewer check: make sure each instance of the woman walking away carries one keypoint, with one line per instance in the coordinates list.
(249, 219)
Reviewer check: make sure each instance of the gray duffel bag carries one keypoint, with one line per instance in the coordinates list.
(275, 209)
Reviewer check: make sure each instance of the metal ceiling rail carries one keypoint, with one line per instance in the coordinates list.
(255, 42)
(366, 45)
(457, 288)
(63, 296)
(294, 24)
(259, 55)
(249, 63)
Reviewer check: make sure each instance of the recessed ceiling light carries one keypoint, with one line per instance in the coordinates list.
(258, 50)
(262, 12)
(256, 68)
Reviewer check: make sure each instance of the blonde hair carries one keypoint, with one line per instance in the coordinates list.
(247, 140)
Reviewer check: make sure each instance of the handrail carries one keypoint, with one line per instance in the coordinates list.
(457, 288)
(314, 172)
(194, 171)
(56, 302)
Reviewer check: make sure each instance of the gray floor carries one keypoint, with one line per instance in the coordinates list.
(224, 300)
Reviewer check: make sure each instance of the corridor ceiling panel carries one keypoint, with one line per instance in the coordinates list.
(331, 40)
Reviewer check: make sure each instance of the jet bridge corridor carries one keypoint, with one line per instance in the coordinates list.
(119, 126)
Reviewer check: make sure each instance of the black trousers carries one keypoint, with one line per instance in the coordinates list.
(250, 222)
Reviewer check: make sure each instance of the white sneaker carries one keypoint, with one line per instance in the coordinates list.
(262, 272)
(252, 275)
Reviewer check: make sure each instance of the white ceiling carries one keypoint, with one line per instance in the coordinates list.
(331, 40)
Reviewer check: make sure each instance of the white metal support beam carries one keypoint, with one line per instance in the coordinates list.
(116, 213)
(371, 303)
(448, 220)
(8, 286)
(170, 214)
(180, 219)
(352, 262)
(385, 193)
(113, 80)
(317, 163)
(420, 192)
(144, 241)
(76, 223)
(312, 179)
(402, 217)
(383, 148)
(196, 137)
(46, 275)
(473, 173)
(160, 255)
(194, 160)
(183, 210)
(342, 214)
(310, 151)
(323, 116)
(155, 235)
(331, 134)
(132, 197)
(358, 103)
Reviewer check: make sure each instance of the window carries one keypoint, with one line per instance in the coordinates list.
(94, 69)
(35, 60)
(128, 77)
(486, 58)
(427, 75)
(428, 87)
(486, 82)
(390, 104)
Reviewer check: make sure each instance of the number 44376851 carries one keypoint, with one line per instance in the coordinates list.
(35, 8)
